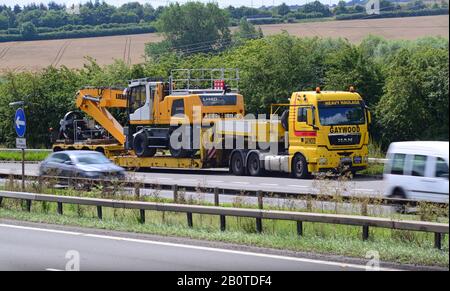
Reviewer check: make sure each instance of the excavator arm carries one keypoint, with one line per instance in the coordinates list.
(95, 101)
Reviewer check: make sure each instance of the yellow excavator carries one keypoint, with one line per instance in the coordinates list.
(154, 111)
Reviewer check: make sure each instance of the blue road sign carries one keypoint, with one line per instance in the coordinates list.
(20, 122)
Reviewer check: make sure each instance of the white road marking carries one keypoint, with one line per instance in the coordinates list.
(241, 183)
(298, 186)
(53, 270)
(267, 184)
(278, 257)
(215, 181)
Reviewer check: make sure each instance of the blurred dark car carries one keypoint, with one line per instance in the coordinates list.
(82, 164)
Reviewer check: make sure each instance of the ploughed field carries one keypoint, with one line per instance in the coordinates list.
(34, 55)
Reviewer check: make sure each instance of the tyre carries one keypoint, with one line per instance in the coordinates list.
(181, 152)
(300, 167)
(140, 146)
(398, 193)
(254, 165)
(237, 164)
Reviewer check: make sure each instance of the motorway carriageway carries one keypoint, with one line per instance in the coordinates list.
(222, 179)
(30, 246)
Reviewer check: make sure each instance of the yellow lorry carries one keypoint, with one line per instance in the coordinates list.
(317, 131)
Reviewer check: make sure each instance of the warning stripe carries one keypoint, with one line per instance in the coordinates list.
(211, 153)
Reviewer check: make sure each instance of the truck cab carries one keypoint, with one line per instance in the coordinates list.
(328, 131)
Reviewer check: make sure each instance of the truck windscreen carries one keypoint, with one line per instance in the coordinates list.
(351, 114)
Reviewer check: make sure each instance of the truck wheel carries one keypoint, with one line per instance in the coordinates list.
(140, 146)
(254, 165)
(300, 167)
(237, 164)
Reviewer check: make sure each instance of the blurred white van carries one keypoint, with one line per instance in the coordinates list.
(418, 170)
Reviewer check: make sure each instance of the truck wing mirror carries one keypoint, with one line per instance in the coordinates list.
(310, 119)
(369, 117)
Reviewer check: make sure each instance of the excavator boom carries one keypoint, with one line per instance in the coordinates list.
(95, 101)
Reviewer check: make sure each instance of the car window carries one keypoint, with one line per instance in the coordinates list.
(59, 158)
(418, 166)
(398, 164)
(92, 159)
(441, 168)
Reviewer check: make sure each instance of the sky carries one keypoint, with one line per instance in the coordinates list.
(222, 3)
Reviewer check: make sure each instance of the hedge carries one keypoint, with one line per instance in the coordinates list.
(91, 32)
(393, 14)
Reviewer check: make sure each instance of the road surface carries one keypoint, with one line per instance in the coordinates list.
(34, 247)
(221, 178)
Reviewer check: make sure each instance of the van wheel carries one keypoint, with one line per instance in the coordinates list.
(300, 167)
(399, 194)
(254, 165)
(237, 164)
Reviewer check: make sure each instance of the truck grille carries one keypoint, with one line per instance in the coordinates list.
(344, 139)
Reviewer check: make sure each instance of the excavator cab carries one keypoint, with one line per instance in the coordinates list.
(141, 99)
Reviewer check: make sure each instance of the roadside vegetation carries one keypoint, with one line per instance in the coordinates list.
(404, 83)
(17, 156)
(404, 247)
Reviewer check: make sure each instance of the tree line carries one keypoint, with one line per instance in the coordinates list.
(51, 21)
(405, 83)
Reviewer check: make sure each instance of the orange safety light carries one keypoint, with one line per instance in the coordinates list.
(352, 89)
(317, 89)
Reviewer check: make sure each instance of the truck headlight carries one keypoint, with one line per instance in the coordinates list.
(357, 159)
(323, 161)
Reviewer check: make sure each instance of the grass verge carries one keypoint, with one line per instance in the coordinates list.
(17, 156)
(395, 246)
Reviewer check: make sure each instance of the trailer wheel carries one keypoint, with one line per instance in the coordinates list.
(237, 164)
(140, 146)
(300, 167)
(254, 165)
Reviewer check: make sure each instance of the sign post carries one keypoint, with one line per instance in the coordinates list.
(21, 143)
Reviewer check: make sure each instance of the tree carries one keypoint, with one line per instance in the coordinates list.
(4, 20)
(349, 66)
(195, 27)
(283, 9)
(415, 103)
(416, 5)
(247, 30)
(341, 8)
(28, 30)
(315, 7)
